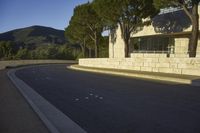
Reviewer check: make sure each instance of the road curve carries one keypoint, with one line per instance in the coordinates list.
(112, 104)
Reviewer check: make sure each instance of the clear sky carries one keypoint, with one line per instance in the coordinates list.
(23, 13)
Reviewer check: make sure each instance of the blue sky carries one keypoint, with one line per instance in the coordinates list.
(23, 13)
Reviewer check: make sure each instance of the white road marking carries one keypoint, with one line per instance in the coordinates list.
(86, 97)
(101, 98)
(76, 99)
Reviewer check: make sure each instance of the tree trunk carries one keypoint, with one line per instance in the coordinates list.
(126, 41)
(90, 52)
(96, 49)
(195, 32)
(126, 37)
(96, 46)
(83, 50)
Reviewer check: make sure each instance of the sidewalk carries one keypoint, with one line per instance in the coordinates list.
(16, 115)
(176, 78)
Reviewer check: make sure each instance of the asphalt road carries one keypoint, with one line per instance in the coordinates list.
(112, 104)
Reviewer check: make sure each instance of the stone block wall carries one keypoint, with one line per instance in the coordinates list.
(149, 63)
(181, 47)
(198, 49)
(116, 48)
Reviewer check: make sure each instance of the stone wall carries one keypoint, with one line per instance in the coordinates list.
(4, 64)
(198, 49)
(148, 62)
(178, 63)
(181, 48)
(116, 48)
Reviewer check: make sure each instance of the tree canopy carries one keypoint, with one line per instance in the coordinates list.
(127, 13)
(85, 24)
(9, 51)
(190, 7)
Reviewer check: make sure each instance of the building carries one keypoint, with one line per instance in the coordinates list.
(168, 33)
(159, 47)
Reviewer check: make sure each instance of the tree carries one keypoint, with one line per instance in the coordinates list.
(7, 49)
(52, 52)
(89, 24)
(76, 34)
(22, 54)
(190, 7)
(103, 52)
(65, 52)
(127, 13)
(1, 49)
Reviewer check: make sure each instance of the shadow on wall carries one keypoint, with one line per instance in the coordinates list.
(113, 35)
(171, 22)
(113, 32)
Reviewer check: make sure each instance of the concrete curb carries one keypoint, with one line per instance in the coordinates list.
(16, 63)
(144, 76)
(55, 120)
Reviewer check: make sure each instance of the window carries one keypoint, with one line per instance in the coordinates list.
(153, 44)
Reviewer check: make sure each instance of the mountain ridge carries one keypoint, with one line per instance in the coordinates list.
(35, 35)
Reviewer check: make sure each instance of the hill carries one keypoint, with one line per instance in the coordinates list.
(35, 36)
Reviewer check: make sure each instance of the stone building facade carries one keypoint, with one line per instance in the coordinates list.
(159, 47)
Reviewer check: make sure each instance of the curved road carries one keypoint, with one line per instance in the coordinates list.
(112, 104)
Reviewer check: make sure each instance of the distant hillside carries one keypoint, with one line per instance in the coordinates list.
(35, 35)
